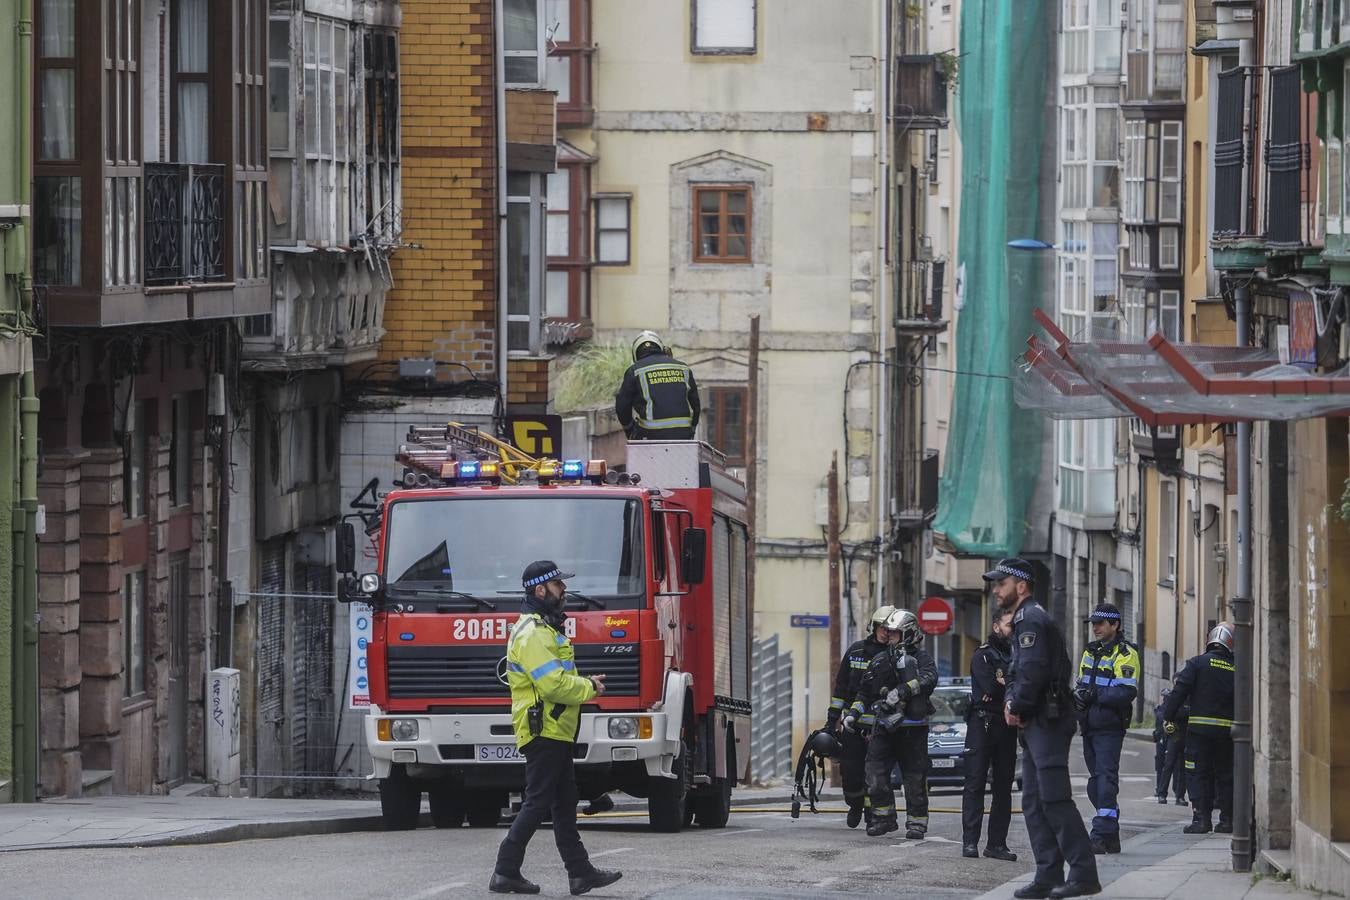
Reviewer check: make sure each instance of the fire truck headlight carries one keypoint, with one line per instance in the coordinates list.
(370, 583)
(623, 728)
(403, 729)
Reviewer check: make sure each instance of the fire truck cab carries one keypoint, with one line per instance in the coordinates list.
(658, 605)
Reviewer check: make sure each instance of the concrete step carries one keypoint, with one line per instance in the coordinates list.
(96, 783)
(1275, 862)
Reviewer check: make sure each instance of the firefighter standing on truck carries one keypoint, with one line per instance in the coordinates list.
(1104, 698)
(1206, 684)
(894, 698)
(546, 698)
(658, 399)
(847, 681)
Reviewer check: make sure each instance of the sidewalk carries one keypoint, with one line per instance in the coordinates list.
(1170, 865)
(142, 821)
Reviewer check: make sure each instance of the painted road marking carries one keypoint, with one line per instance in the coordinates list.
(610, 852)
(436, 891)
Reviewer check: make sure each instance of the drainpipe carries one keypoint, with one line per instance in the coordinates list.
(499, 113)
(884, 372)
(1243, 637)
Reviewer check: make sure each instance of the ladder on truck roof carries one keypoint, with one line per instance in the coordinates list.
(429, 448)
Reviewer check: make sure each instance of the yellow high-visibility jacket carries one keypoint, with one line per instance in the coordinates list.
(540, 666)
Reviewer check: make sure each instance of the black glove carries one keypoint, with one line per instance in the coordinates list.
(1082, 698)
(832, 721)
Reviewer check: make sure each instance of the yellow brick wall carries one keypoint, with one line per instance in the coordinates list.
(527, 381)
(530, 117)
(444, 299)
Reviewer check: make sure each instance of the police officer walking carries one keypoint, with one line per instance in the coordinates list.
(847, 681)
(658, 399)
(991, 744)
(1206, 684)
(546, 697)
(1104, 697)
(894, 700)
(1038, 702)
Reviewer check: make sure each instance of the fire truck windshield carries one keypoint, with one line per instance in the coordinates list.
(479, 546)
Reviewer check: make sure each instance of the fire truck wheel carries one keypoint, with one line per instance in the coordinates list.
(485, 809)
(400, 800)
(667, 797)
(446, 809)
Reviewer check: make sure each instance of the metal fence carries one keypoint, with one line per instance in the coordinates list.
(771, 698)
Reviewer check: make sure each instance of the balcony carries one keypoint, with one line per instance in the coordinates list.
(916, 488)
(327, 310)
(184, 223)
(920, 301)
(921, 92)
(1162, 445)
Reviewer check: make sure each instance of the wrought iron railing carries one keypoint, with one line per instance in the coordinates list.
(184, 223)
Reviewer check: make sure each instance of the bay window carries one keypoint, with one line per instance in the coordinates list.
(524, 43)
(327, 146)
(567, 282)
(567, 30)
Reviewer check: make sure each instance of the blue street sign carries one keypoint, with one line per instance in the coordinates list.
(809, 621)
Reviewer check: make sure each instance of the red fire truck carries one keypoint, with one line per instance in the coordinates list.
(658, 605)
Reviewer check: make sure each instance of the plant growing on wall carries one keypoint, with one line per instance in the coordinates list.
(592, 377)
(950, 63)
(1344, 511)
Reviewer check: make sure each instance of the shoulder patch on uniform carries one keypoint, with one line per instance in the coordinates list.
(1127, 671)
(1027, 639)
(1020, 614)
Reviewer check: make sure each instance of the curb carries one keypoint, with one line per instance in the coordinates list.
(228, 834)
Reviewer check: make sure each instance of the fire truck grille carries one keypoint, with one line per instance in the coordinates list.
(459, 671)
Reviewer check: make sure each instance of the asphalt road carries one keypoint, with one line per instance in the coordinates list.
(760, 854)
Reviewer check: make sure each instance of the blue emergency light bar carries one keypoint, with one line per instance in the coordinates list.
(573, 468)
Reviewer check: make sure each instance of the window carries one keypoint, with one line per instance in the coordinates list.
(1135, 140)
(56, 229)
(568, 235)
(383, 174)
(1169, 248)
(722, 224)
(121, 146)
(524, 41)
(567, 32)
(1169, 190)
(1075, 26)
(1086, 467)
(613, 229)
(191, 82)
(1309, 24)
(180, 452)
(1074, 150)
(1106, 150)
(725, 414)
(56, 80)
(524, 260)
(723, 26)
(1106, 36)
(1169, 314)
(281, 135)
(248, 74)
(1105, 239)
(133, 634)
(1149, 311)
(135, 487)
(326, 131)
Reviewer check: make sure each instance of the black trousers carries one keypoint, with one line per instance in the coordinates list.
(852, 759)
(550, 788)
(908, 746)
(990, 745)
(1169, 764)
(1209, 770)
(1054, 827)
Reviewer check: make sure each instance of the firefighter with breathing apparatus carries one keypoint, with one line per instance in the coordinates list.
(847, 682)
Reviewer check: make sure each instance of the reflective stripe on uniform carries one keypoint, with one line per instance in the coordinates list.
(857, 664)
(836, 703)
(671, 421)
(868, 719)
(1109, 813)
(1210, 720)
(540, 671)
(1190, 764)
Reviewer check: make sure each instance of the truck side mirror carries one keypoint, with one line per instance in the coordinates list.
(346, 547)
(693, 555)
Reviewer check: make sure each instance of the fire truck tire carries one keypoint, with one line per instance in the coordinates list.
(485, 809)
(667, 798)
(712, 804)
(400, 800)
(447, 811)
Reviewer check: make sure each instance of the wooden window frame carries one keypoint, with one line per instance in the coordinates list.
(696, 215)
(577, 49)
(577, 262)
(713, 410)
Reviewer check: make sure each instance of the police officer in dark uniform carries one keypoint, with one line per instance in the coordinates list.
(1104, 697)
(847, 681)
(658, 399)
(1206, 683)
(990, 745)
(895, 695)
(1038, 701)
(1169, 751)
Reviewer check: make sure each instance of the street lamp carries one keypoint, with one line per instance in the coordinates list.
(1034, 244)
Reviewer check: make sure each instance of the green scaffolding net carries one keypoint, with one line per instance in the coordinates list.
(993, 447)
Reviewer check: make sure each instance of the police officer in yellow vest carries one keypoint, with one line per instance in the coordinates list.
(546, 697)
(658, 399)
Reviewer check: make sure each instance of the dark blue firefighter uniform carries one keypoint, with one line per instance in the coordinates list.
(1206, 685)
(847, 682)
(1107, 685)
(1038, 692)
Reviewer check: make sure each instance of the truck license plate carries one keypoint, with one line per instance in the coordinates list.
(944, 763)
(498, 753)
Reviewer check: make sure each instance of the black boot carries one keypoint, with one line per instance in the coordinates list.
(1225, 825)
(596, 878)
(601, 804)
(882, 825)
(1001, 852)
(511, 884)
(1199, 824)
(970, 851)
(855, 814)
(1098, 846)
(1112, 842)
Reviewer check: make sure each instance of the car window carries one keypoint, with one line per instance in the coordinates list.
(950, 704)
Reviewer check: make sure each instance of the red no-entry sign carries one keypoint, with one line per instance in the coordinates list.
(935, 615)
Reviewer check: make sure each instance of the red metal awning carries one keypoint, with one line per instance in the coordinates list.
(1165, 383)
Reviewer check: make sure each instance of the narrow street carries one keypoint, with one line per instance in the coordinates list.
(760, 854)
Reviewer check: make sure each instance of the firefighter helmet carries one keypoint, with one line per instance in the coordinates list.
(824, 745)
(645, 344)
(881, 615)
(907, 624)
(1220, 635)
